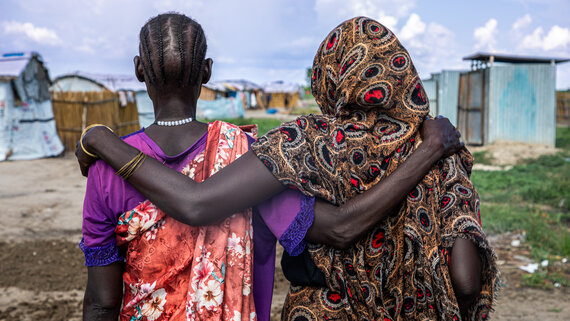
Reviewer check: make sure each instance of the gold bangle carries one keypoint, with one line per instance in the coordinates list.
(129, 168)
(83, 135)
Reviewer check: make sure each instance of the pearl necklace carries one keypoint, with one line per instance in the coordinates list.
(173, 122)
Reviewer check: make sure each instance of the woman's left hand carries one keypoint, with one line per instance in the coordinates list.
(441, 135)
(84, 159)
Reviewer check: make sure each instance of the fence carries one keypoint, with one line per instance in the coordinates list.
(563, 107)
(73, 111)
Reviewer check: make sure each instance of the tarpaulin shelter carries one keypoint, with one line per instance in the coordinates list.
(27, 125)
(280, 94)
(81, 99)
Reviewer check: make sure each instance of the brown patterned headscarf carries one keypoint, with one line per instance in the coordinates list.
(373, 104)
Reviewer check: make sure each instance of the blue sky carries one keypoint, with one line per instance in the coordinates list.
(265, 40)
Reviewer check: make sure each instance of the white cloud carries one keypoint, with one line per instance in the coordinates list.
(38, 34)
(486, 35)
(414, 27)
(522, 23)
(332, 12)
(533, 40)
(557, 38)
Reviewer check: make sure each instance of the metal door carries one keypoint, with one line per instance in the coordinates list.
(471, 108)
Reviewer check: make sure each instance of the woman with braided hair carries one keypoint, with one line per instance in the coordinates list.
(351, 161)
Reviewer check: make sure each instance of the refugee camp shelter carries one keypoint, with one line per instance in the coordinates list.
(82, 99)
(508, 98)
(442, 90)
(27, 125)
(213, 90)
(280, 94)
(563, 107)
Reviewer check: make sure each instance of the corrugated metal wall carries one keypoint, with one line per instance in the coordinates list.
(448, 94)
(442, 90)
(430, 86)
(521, 103)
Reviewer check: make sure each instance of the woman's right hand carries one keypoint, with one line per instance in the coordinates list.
(441, 136)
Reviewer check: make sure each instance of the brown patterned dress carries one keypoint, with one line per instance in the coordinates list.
(373, 104)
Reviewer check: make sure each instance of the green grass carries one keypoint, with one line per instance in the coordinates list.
(532, 198)
(263, 124)
(483, 157)
(563, 137)
(545, 180)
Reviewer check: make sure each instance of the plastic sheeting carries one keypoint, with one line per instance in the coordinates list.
(145, 108)
(220, 108)
(27, 131)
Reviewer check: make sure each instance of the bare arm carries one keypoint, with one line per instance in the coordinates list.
(465, 270)
(239, 185)
(104, 292)
(340, 226)
(247, 182)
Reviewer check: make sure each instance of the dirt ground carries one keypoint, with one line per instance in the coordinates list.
(42, 273)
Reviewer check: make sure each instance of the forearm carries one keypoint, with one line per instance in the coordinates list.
(465, 270)
(340, 226)
(241, 184)
(96, 312)
(104, 292)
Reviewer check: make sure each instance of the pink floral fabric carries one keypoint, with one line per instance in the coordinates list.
(179, 272)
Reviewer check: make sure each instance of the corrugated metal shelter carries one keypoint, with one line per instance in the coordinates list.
(27, 125)
(508, 98)
(442, 90)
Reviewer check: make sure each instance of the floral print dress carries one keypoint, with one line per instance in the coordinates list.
(178, 272)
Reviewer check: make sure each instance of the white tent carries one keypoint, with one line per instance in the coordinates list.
(27, 126)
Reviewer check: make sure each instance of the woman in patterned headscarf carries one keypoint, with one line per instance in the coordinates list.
(414, 265)
(365, 78)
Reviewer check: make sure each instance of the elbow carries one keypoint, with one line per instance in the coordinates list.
(103, 309)
(341, 237)
(189, 211)
(466, 290)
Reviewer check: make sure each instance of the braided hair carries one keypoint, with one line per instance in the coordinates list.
(172, 49)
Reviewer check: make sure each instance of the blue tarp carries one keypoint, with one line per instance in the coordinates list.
(220, 108)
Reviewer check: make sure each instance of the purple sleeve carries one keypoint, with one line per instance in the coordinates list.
(289, 216)
(98, 243)
(263, 267)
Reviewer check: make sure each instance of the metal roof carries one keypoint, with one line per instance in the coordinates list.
(111, 82)
(232, 85)
(281, 87)
(488, 57)
(12, 64)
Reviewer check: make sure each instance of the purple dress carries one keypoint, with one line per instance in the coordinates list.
(285, 217)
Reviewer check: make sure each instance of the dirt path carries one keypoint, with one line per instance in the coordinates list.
(41, 268)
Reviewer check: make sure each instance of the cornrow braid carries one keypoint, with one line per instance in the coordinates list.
(181, 51)
(160, 49)
(144, 43)
(172, 37)
(199, 52)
